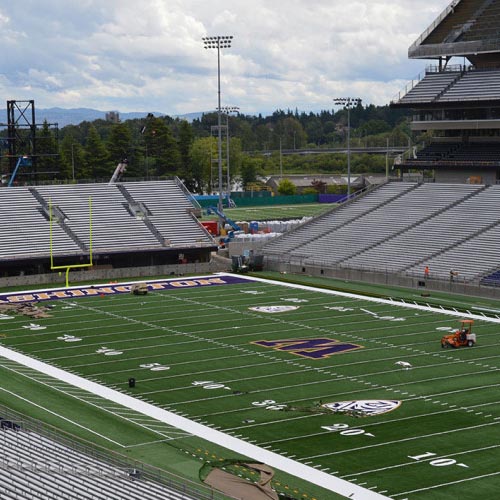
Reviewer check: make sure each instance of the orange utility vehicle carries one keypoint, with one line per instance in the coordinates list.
(462, 337)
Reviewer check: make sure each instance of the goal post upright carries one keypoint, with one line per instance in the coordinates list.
(68, 267)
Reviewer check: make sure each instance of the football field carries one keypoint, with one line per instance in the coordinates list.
(354, 387)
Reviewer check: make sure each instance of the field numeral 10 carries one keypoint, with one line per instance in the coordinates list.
(437, 462)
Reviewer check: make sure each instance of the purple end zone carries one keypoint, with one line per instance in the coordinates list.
(111, 289)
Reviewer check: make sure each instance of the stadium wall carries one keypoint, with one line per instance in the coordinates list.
(420, 284)
(454, 175)
(99, 274)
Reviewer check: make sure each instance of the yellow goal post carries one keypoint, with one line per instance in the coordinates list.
(68, 267)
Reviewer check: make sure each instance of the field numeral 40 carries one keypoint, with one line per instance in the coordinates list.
(437, 462)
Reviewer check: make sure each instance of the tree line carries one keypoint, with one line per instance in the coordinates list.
(162, 146)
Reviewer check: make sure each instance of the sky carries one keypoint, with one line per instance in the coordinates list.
(148, 55)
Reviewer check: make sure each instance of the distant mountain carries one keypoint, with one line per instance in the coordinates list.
(74, 116)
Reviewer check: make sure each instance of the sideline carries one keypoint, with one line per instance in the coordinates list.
(287, 465)
(322, 479)
(378, 300)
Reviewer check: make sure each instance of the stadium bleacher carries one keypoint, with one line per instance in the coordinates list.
(116, 228)
(33, 466)
(444, 226)
(459, 152)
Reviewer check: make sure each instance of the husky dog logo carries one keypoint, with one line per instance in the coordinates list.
(365, 408)
(309, 348)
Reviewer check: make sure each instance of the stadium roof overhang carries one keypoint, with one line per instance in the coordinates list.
(446, 165)
(455, 49)
(455, 125)
(476, 104)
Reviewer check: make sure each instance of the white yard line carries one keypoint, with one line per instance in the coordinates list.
(313, 475)
(406, 305)
(13, 394)
(292, 467)
(446, 484)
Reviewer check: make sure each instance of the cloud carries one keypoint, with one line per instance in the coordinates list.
(148, 55)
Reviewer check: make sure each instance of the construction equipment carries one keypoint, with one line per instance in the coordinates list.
(245, 263)
(22, 161)
(227, 220)
(119, 171)
(139, 289)
(463, 337)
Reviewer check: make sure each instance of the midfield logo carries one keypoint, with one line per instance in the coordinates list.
(310, 348)
(273, 309)
(365, 408)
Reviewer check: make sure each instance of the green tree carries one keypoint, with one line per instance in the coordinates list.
(201, 154)
(162, 147)
(119, 143)
(47, 161)
(72, 159)
(186, 138)
(286, 187)
(250, 166)
(97, 156)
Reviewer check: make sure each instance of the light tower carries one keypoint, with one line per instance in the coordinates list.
(348, 103)
(227, 110)
(218, 43)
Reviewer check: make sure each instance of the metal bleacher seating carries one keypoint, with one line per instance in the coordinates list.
(459, 152)
(443, 226)
(336, 218)
(33, 466)
(454, 86)
(430, 87)
(112, 225)
(169, 211)
(115, 228)
(473, 86)
(413, 207)
(446, 229)
(25, 230)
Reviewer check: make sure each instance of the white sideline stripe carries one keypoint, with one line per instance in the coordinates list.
(406, 305)
(327, 481)
(61, 417)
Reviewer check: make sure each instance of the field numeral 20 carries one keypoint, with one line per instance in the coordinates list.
(345, 430)
(437, 462)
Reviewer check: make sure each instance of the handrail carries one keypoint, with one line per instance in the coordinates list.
(111, 458)
(434, 24)
(189, 195)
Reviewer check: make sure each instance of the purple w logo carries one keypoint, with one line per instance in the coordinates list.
(309, 348)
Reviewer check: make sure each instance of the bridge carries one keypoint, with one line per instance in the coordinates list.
(391, 150)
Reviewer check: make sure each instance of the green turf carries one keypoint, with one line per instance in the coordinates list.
(273, 212)
(448, 418)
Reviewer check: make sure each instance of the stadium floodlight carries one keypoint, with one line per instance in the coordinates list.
(218, 43)
(227, 110)
(348, 103)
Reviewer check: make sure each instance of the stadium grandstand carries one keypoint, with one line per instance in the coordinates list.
(458, 104)
(150, 225)
(38, 463)
(450, 226)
